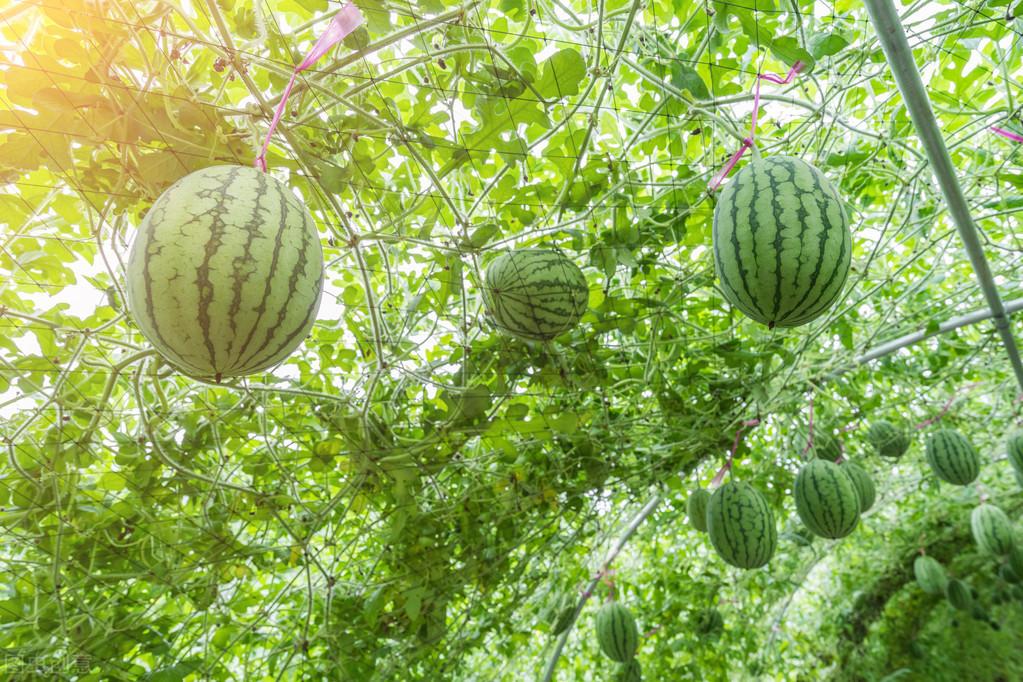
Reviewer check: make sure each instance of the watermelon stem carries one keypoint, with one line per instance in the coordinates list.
(809, 439)
(727, 466)
(947, 406)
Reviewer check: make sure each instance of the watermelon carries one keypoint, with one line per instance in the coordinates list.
(708, 623)
(1014, 448)
(782, 244)
(887, 439)
(959, 595)
(992, 530)
(226, 272)
(741, 525)
(930, 575)
(630, 671)
(696, 509)
(952, 457)
(826, 499)
(534, 294)
(863, 483)
(617, 633)
(561, 614)
(825, 446)
(1008, 574)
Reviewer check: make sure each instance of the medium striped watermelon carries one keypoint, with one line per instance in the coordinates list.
(959, 595)
(863, 483)
(782, 244)
(617, 633)
(888, 439)
(696, 509)
(1014, 448)
(930, 575)
(826, 499)
(952, 457)
(992, 530)
(535, 294)
(741, 525)
(225, 275)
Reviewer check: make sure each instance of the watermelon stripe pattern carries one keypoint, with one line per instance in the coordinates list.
(741, 525)
(959, 595)
(952, 457)
(535, 294)
(992, 530)
(887, 439)
(1014, 449)
(226, 272)
(617, 633)
(930, 575)
(862, 482)
(826, 500)
(696, 509)
(782, 244)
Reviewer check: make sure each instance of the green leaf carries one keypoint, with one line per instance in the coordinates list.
(684, 77)
(827, 44)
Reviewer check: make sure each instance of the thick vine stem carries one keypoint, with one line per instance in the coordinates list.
(612, 554)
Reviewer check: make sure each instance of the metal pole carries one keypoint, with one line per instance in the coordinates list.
(885, 19)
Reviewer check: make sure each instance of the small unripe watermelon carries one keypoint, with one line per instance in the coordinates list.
(535, 294)
(826, 500)
(930, 575)
(825, 446)
(992, 530)
(888, 439)
(959, 594)
(630, 671)
(952, 457)
(696, 509)
(225, 275)
(562, 613)
(1014, 448)
(741, 525)
(617, 633)
(863, 483)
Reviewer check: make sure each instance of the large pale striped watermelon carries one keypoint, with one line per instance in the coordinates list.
(226, 272)
(888, 439)
(930, 575)
(826, 499)
(741, 525)
(535, 294)
(952, 457)
(782, 244)
(1014, 448)
(617, 633)
(992, 530)
(696, 509)
(863, 483)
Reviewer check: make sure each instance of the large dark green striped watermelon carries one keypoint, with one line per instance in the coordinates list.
(888, 439)
(826, 499)
(741, 525)
(696, 509)
(535, 294)
(992, 530)
(930, 575)
(952, 457)
(782, 244)
(617, 633)
(1014, 448)
(225, 275)
(863, 483)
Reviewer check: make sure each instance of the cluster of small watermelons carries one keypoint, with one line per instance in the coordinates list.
(534, 294)
(782, 244)
(617, 633)
(696, 509)
(741, 525)
(952, 457)
(827, 500)
(226, 272)
(930, 575)
(992, 530)
(887, 439)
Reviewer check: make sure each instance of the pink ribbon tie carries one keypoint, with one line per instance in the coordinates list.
(1007, 133)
